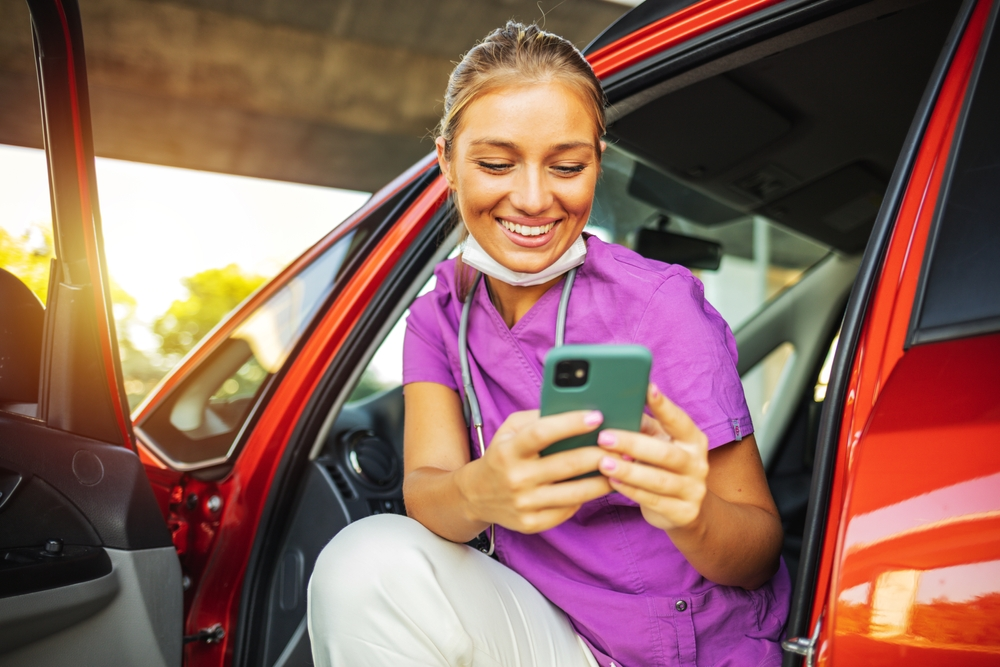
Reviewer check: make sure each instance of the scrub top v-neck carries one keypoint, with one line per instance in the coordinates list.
(629, 592)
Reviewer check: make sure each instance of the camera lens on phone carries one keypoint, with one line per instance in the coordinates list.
(572, 373)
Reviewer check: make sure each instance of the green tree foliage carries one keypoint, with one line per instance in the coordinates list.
(211, 295)
(28, 257)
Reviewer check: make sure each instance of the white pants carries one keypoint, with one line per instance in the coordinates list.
(387, 591)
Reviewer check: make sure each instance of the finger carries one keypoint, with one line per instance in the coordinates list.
(679, 457)
(542, 432)
(674, 421)
(564, 465)
(536, 522)
(674, 512)
(652, 427)
(657, 481)
(515, 422)
(565, 494)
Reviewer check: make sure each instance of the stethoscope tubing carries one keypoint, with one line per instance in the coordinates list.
(471, 403)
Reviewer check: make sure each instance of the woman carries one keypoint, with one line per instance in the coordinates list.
(681, 565)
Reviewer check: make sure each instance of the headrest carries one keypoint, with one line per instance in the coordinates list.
(22, 319)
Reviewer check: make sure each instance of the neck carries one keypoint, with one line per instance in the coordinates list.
(513, 302)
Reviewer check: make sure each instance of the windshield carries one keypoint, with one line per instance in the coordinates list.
(757, 256)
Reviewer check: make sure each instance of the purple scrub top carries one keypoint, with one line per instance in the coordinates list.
(628, 591)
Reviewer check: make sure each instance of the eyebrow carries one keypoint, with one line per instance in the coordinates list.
(502, 143)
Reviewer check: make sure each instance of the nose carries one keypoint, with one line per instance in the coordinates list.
(532, 194)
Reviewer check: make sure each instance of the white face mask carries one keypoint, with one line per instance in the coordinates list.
(473, 255)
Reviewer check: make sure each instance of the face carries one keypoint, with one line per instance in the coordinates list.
(523, 167)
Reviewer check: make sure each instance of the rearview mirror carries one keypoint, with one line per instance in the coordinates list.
(694, 253)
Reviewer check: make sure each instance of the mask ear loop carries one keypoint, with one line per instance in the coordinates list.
(471, 403)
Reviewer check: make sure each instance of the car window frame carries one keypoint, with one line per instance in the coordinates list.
(380, 217)
(919, 334)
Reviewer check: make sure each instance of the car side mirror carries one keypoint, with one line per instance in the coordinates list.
(22, 320)
(694, 253)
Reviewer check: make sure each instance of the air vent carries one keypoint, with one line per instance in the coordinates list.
(373, 460)
(345, 489)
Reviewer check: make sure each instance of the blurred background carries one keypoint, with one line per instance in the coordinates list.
(232, 135)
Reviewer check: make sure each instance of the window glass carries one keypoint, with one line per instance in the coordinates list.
(763, 381)
(26, 245)
(199, 424)
(385, 370)
(823, 381)
(963, 277)
(759, 257)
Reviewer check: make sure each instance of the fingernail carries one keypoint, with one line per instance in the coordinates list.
(654, 390)
(593, 418)
(608, 463)
(626, 457)
(606, 439)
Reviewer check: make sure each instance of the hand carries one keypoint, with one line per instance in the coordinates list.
(663, 468)
(514, 486)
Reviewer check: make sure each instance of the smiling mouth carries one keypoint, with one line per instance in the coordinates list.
(526, 230)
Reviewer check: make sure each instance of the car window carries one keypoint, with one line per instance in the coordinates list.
(762, 382)
(962, 276)
(385, 370)
(758, 257)
(199, 424)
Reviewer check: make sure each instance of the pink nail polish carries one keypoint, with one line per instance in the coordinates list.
(654, 390)
(608, 463)
(593, 418)
(606, 439)
(626, 457)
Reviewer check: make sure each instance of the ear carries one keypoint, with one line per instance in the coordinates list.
(604, 147)
(443, 162)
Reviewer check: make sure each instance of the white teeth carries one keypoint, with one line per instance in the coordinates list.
(525, 230)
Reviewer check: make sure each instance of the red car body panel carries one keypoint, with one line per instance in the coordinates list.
(244, 491)
(669, 31)
(885, 461)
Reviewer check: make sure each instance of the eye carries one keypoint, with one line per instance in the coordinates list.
(494, 166)
(570, 169)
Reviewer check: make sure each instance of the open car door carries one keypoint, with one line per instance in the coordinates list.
(88, 572)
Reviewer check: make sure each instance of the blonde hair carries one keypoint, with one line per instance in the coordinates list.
(518, 54)
(515, 55)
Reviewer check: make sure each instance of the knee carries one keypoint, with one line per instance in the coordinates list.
(357, 564)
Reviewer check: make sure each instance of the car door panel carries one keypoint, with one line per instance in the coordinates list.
(918, 552)
(128, 617)
(88, 571)
(872, 352)
(114, 565)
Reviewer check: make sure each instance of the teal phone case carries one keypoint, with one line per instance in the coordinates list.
(616, 385)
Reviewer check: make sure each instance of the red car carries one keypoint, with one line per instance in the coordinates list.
(846, 150)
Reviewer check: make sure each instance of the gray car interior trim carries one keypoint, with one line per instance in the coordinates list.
(297, 649)
(32, 616)
(801, 315)
(133, 616)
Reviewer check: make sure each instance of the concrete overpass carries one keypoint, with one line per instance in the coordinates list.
(331, 92)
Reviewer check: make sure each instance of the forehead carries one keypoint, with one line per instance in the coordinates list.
(534, 113)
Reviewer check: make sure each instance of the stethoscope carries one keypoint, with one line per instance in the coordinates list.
(471, 402)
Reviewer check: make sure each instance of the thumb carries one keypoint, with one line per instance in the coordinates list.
(673, 419)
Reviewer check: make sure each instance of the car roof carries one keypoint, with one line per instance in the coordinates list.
(636, 18)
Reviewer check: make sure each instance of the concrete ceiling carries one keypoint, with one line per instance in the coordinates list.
(341, 93)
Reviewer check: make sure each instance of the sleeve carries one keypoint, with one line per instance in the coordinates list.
(694, 359)
(425, 358)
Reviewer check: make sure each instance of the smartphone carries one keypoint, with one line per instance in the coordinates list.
(609, 378)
